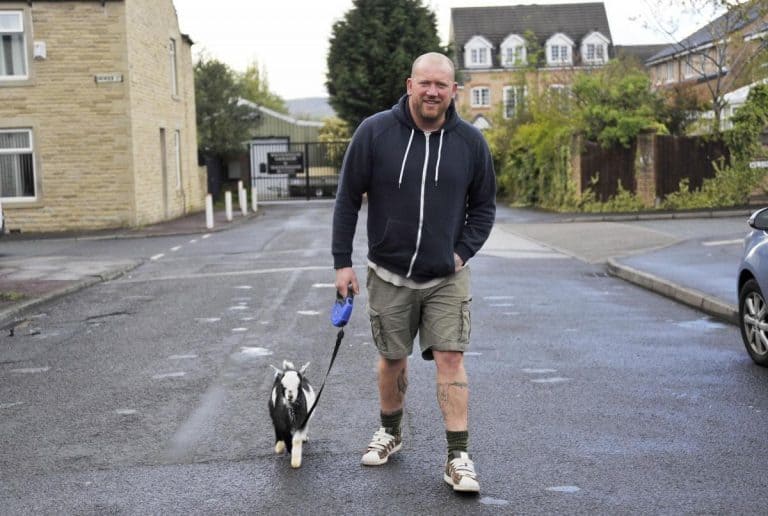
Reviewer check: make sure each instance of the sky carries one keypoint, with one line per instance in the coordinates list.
(289, 38)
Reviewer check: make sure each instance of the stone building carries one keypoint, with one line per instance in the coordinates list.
(97, 115)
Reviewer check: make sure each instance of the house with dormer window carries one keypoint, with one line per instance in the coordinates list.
(502, 53)
(97, 118)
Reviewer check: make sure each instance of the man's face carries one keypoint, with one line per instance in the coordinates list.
(431, 88)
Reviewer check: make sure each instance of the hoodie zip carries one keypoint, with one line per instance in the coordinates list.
(421, 199)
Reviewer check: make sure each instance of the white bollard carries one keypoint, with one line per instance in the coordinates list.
(242, 198)
(254, 199)
(209, 211)
(228, 205)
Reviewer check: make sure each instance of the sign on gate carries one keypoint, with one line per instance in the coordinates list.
(285, 163)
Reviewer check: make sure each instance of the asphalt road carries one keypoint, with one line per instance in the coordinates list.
(148, 394)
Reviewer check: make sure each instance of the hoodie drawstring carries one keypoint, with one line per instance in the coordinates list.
(439, 151)
(405, 156)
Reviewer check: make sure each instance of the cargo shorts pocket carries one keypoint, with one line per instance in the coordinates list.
(465, 324)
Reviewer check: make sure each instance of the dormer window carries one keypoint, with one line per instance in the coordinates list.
(559, 50)
(477, 53)
(594, 49)
(513, 52)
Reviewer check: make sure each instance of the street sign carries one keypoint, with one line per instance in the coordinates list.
(285, 162)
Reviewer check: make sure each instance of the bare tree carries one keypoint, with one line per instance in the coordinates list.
(721, 55)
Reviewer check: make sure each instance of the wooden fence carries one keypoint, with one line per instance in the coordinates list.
(652, 167)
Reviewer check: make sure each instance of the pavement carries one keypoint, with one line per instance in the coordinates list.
(653, 259)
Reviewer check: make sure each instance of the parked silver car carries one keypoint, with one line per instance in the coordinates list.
(753, 287)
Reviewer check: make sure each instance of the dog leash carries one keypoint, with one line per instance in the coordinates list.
(340, 314)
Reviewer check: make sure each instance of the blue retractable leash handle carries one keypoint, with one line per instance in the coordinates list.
(342, 309)
(340, 314)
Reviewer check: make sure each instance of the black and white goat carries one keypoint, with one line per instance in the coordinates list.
(291, 399)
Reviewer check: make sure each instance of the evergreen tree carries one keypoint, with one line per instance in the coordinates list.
(371, 52)
(222, 122)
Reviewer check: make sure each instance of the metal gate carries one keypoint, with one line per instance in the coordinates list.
(282, 170)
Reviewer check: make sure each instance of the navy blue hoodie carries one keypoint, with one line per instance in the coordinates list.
(429, 194)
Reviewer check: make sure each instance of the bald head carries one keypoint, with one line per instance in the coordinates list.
(433, 59)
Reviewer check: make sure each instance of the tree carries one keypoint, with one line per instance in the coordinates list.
(721, 55)
(614, 104)
(222, 122)
(255, 87)
(371, 52)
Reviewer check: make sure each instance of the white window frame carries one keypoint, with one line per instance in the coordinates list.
(172, 51)
(19, 151)
(478, 52)
(559, 49)
(515, 94)
(595, 44)
(480, 96)
(669, 71)
(512, 52)
(563, 94)
(21, 47)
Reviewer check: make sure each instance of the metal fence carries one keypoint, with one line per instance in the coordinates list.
(284, 170)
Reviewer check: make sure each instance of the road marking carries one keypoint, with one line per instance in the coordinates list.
(193, 241)
(323, 285)
(280, 270)
(125, 411)
(157, 256)
(564, 489)
(307, 312)
(244, 287)
(9, 405)
(177, 374)
(501, 304)
(539, 371)
(238, 307)
(239, 330)
(205, 236)
(30, 370)
(554, 379)
(255, 352)
(487, 500)
(723, 242)
(208, 319)
(181, 357)
(174, 249)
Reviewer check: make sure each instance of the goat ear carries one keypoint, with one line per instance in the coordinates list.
(277, 371)
(304, 368)
(288, 365)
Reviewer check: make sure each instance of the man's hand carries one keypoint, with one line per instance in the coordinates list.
(459, 264)
(346, 277)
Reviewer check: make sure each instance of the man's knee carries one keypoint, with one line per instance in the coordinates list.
(449, 361)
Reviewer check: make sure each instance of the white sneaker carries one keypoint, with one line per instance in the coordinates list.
(381, 447)
(460, 473)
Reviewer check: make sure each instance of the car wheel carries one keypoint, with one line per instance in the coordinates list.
(753, 320)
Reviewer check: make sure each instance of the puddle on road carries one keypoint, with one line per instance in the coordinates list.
(705, 323)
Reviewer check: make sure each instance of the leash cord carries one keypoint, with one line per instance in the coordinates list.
(339, 336)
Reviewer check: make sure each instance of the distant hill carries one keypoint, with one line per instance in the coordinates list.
(310, 108)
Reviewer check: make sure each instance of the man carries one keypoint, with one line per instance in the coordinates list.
(431, 187)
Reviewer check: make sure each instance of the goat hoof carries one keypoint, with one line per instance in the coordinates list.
(295, 462)
(279, 447)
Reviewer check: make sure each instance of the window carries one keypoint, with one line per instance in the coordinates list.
(559, 50)
(594, 48)
(513, 51)
(670, 74)
(514, 99)
(560, 96)
(477, 53)
(174, 75)
(17, 170)
(13, 48)
(481, 97)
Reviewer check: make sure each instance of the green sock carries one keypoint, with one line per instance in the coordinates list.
(391, 422)
(457, 441)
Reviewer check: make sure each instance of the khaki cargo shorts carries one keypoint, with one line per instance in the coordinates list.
(439, 315)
